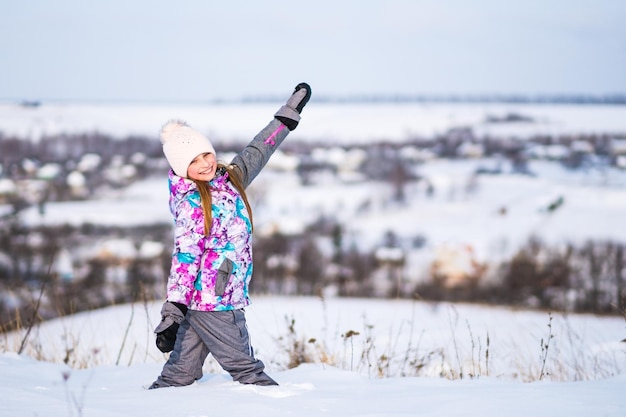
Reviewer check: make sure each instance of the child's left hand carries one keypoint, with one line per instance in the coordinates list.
(289, 114)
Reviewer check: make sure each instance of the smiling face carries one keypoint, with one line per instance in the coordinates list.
(203, 167)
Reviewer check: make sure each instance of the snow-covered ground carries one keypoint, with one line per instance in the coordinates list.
(499, 351)
(97, 363)
(328, 122)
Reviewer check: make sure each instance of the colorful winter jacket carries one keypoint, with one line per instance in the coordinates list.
(212, 273)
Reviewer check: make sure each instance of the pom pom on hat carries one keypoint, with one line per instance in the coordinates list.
(181, 144)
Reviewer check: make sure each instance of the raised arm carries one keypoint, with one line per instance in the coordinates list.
(251, 160)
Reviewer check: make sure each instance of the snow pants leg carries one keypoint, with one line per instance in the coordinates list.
(224, 334)
(184, 365)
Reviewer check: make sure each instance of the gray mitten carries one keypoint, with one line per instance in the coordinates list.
(172, 314)
(289, 114)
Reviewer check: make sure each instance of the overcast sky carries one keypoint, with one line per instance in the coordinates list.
(231, 49)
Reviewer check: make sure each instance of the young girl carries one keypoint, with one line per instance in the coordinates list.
(207, 289)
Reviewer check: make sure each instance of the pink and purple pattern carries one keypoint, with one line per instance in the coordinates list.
(197, 258)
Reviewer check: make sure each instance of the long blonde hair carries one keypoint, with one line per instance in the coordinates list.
(207, 200)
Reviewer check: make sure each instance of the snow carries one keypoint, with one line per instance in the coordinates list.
(453, 215)
(114, 359)
(97, 363)
(492, 215)
(328, 122)
(7, 186)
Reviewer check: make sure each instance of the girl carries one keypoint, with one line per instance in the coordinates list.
(207, 289)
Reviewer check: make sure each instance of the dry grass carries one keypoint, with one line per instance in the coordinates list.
(469, 355)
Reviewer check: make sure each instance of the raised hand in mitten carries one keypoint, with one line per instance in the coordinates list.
(289, 114)
(172, 314)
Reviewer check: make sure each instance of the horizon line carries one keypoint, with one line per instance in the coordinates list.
(506, 98)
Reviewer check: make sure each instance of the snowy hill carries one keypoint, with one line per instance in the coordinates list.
(361, 357)
(360, 351)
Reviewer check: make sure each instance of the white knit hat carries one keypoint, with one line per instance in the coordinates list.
(181, 144)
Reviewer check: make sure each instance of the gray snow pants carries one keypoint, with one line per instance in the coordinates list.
(223, 334)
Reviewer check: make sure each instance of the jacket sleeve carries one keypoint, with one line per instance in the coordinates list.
(251, 160)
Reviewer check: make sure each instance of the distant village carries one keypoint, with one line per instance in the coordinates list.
(47, 271)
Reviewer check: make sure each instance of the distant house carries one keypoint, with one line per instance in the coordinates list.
(456, 266)
(63, 266)
(78, 184)
(117, 251)
(416, 154)
(117, 256)
(470, 150)
(49, 171)
(549, 152)
(617, 148)
(8, 189)
(582, 147)
(388, 279)
(89, 162)
(281, 161)
(32, 191)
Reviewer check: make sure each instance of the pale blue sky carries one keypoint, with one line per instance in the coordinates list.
(205, 49)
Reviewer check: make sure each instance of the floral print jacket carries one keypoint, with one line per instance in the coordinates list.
(212, 273)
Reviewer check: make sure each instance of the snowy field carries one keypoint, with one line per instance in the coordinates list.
(97, 363)
(326, 122)
(501, 354)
